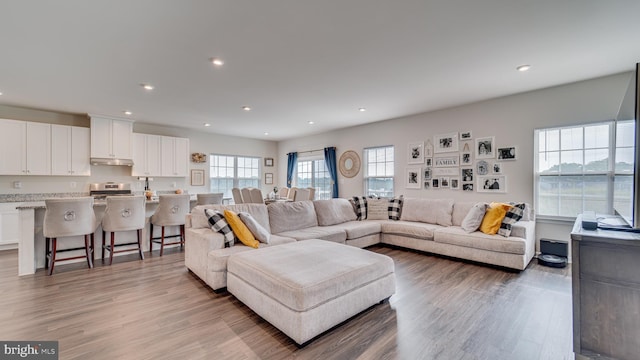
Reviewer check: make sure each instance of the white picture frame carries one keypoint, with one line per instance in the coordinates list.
(492, 183)
(508, 153)
(454, 183)
(415, 153)
(428, 149)
(428, 161)
(446, 161)
(427, 184)
(427, 174)
(445, 171)
(413, 178)
(496, 169)
(466, 135)
(445, 143)
(444, 182)
(486, 148)
(467, 187)
(467, 174)
(466, 159)
(435, 183)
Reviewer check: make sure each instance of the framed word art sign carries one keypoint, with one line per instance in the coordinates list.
(446, 161)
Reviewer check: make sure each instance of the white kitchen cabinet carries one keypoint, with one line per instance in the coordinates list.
(111, 138)
(25, 148)
(70, 146)
(175, 156)
(146, 155)
(9, 224)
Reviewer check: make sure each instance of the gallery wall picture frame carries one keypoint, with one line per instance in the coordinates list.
(496, 168)
(197, 177)
(492, 183)
(485, 147)
(413, 178)
(482, 167)
(446, 171)
(508, 153)
(444, 182)
(268, 162)
(268, 178)
(415, 153)
(428, 161)
(427, 174)
(428, 149)
(446, 161)
(466, 135)
(445, 143)
(454, 183)
(466, 158)
(435, 183)
(467, 174)
(427, 184)
(467, 187)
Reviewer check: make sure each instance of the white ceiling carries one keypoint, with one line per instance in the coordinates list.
(295, 61)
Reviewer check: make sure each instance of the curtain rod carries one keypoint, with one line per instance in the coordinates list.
(310, 151)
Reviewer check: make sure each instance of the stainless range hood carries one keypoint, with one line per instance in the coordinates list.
(112, 162)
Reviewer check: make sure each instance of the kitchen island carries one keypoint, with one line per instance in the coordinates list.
(31, 245)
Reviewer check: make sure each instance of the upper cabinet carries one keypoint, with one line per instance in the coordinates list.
(25, 148)
(175, 156)
(111, 138)
(146, 155)
(70, 146)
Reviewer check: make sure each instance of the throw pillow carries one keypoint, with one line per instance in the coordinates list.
(360, 207)
(395, 208)
(474, 217)
(378, 209)
(240, 229)
(512, 216)
(493, 218)
(258, 231)
(219, 223)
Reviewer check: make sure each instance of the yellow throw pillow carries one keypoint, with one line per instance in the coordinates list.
(493, 218)
(241, 230)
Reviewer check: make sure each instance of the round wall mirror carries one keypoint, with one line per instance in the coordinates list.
(349, 164)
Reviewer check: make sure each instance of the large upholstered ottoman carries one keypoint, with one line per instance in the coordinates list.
(307, 287)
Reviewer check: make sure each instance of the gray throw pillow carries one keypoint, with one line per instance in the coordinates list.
(378, 209)
(473, 219)
(258, 231)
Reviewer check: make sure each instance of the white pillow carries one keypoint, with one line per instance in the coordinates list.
(474, 217)
(258, 231)
(378, 209)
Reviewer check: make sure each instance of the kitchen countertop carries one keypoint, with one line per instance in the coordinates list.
(40, 204)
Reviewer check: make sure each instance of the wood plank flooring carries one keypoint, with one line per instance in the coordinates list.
(157, 309)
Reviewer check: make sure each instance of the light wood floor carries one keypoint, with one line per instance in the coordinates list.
(157, 309)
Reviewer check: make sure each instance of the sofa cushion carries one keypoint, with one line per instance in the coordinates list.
(493, 218)
(513, 215)
(218, 258)
(258, 211)
(409, 228)
(334, 211)
(474, 218)
(291, 215)
(219, 223)
(431, 211)
(317, 232)
(260, 233)
(240, 229)
(460, 210)
(358, 229)
(456, 236)
(378, 209)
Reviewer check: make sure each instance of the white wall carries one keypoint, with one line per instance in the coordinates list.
(510, 119)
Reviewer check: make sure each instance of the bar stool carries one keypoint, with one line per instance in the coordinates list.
(123, 213)
(172, 211)
(69, 217)
(211, 198)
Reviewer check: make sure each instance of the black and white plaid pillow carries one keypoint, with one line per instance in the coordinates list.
(513, 215)
(360, 207)
(395, 208)
(219, 224)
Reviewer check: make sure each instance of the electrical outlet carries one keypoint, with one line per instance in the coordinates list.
(17, 184)
(173, 184)
(72, 184)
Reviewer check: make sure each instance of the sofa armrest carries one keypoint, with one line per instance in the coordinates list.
(198, 243)
(527, 231)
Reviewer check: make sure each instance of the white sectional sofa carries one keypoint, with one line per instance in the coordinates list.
(425, 224)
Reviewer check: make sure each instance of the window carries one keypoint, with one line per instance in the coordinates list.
(313, 173)
(378, 171)
(584, 168)
(229, 171)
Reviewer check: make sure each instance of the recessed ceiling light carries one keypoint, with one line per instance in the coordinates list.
(127, 112)
(266, 133)
(246, 108)
(523, 68)
(0, 93)
(147, 86)
(217, 61)
(311, 123)
(206, 124)
(362, 109)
